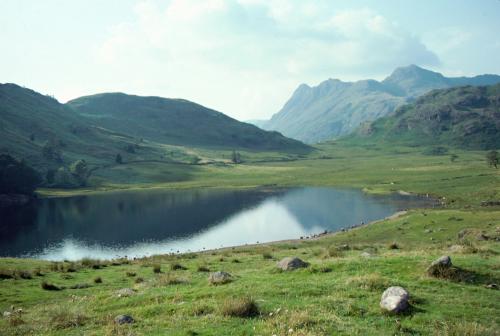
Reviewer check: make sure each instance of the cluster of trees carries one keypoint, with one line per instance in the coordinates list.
(74, 176)
(235, 157)
(16, 177)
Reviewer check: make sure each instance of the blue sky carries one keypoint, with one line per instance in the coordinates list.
(241, 57)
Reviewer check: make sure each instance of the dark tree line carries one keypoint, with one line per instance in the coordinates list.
(16, 177)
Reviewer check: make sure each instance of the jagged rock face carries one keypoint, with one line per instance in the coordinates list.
(335, 108)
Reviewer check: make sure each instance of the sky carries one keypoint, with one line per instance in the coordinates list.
(241, 57)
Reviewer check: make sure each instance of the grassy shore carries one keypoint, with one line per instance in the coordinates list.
(338, 293)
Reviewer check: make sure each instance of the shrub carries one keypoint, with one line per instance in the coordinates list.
(138, 280)
(240, 307)
(23, 274)
(267, 255)
(130, 274)
(203, 268)
(393, 246)
(157, 268)
(177, 267)
(48, 286)
(6, 274)
(97, 280)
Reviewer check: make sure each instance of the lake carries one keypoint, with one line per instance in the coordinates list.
(143, 223)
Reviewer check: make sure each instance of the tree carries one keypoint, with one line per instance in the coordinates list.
(493, 159)
(64, 179)
(80, 171)
(16, 177)
(236, 157)
(118, 158)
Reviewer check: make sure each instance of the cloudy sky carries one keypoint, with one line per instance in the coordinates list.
(241, 57)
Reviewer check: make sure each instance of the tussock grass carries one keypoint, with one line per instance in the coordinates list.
(168, 279)
(240, 307)
(372, 282)
(177, 267)
(66, 317)
(49, 286)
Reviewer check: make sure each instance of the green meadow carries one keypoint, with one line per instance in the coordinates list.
(338, 294)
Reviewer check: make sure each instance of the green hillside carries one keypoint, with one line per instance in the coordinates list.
(177, 121)
(466, 117)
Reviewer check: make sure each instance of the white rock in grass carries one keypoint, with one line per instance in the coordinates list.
(395, 299)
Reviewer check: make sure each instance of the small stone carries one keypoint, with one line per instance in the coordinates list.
(492, 286)
(366, 255)
(219, 278)
(394, 299)
(124, 319)
(125, 292)
(457, 248)
(291, 263)
(428, 231)
(6, 313)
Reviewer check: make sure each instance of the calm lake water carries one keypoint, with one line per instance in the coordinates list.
(142, 223)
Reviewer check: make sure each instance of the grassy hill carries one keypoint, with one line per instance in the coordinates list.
(466, 117)
(159, 140)
(177, 122)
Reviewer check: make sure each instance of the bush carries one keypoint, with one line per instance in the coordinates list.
(393, 246)
(63, 318)
(138, 280)
(48, 286)
(177, 267)
(130, 274)
(203, 268)
(267, 255)
(157, 268)
(97, 280)
(240, 307)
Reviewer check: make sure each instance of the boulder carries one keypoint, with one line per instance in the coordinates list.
(443, 261)
(394, 300)
(219, 278)
(291, 263)
(124, 319)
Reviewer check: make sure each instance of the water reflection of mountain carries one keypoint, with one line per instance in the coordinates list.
(332, 209)
(120, 218)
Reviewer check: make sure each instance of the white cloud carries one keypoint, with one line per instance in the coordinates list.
(245, 58)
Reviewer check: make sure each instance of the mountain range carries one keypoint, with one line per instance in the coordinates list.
(335, 108)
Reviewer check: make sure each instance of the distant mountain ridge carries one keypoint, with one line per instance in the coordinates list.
(335, 108)
(465, 117)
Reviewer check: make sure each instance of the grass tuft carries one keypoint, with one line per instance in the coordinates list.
(240, 307)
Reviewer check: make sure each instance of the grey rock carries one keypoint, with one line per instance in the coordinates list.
(443, 261)
(291, 263)
(218, 278)
(124, 319)
(366, 255)
(395, 300)
(125, 292)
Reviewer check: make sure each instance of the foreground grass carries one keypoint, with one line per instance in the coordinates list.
(338, 294)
